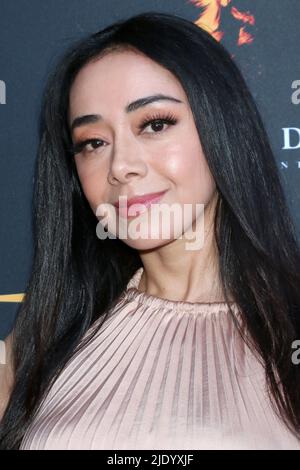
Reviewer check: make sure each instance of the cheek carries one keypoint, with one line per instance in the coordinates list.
(188, 170)
(92, 183)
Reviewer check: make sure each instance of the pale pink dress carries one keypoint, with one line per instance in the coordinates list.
(161, 374)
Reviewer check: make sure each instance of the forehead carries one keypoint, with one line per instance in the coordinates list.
(118, 78)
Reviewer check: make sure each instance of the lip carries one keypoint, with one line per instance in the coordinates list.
(146, 200)
(139, 199)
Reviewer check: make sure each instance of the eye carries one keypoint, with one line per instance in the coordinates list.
(88, 145)
(157, 122)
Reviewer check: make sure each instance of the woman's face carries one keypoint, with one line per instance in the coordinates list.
(128, 157)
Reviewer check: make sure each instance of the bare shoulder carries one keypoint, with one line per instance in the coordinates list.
(6, 372)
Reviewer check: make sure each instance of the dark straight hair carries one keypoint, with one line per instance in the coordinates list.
(76, 277)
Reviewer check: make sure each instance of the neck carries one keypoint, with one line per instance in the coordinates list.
(174, 273)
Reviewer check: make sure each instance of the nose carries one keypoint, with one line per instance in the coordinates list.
(127, 162)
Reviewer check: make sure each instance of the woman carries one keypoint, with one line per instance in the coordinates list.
(144, 343)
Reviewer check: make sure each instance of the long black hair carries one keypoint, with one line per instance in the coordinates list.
(76, 277)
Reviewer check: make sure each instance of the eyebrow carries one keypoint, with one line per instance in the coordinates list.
(139, 103)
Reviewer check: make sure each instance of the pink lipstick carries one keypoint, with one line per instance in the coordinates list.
(145, 200)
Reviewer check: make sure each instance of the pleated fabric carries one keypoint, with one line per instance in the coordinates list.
(161, 374)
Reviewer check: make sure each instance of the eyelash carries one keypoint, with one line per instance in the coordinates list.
(166, 119)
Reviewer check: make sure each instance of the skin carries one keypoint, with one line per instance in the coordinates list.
(6, 375)
(133, 161)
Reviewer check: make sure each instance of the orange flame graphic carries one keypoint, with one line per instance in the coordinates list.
(244, 37)
(210, 19)
(244, 17)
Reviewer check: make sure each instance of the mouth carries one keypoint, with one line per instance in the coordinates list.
(146, 201)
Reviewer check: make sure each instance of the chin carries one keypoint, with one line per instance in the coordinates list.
(156, 239)
(146, 245)
(139, 233)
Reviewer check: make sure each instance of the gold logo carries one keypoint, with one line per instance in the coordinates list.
(12, 298)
